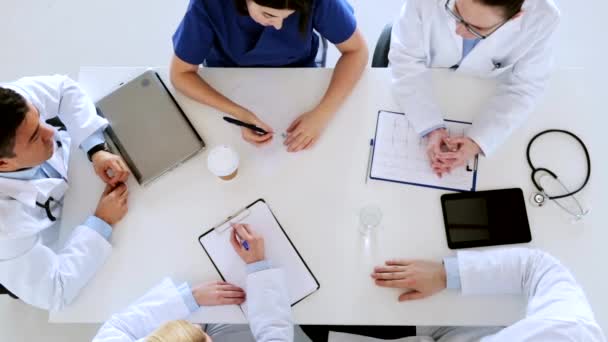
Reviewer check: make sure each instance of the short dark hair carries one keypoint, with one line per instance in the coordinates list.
(13, 108)
(303, 7)
(509, 7)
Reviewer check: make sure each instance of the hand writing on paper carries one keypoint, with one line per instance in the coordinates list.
(422, 278)
(255, 242)
(304, 132)
(218, 293)
(464, 149)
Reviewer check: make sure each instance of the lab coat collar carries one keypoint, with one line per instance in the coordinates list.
(59, 160)
(26, 174)
(27, 192)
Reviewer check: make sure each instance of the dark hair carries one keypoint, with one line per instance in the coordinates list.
(13, 108)
(303, 7)
(509, 7)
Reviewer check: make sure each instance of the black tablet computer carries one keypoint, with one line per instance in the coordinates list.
(485, 218)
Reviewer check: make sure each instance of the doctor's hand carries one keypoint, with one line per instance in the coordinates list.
(240, 234)
(251, 136)
(422, 278)
(304, 132)
(218, 293)
(436, 144)
(110, 168)
(112, 206)
(465, 150)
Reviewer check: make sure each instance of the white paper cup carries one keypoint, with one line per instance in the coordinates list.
(223, 161)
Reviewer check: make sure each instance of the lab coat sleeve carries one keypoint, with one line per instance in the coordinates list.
(268, 307)
(411, 78)
(516, 94)
(49, 280)
(162, 304)
(61, 96)
(557, 308)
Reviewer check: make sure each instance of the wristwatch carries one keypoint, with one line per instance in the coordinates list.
(97, 148)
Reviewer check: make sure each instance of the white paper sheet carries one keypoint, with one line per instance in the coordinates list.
(400, 155)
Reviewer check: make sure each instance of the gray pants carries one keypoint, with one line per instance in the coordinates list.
(229, 332)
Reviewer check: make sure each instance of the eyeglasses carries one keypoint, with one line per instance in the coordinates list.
(468, 26)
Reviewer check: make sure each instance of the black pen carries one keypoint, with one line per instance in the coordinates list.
(252, 127)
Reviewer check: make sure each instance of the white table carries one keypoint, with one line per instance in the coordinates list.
(316, 195)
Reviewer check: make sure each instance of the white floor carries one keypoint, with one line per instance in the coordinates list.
(52, 36)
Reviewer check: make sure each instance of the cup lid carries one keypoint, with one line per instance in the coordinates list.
(222, 161)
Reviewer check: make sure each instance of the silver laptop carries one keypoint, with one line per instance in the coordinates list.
(148, 128)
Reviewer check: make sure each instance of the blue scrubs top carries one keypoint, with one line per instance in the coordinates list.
(214, 32)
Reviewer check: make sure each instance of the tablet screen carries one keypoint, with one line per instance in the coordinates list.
(485, 218)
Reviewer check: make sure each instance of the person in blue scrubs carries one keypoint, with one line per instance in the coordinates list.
(268, 33)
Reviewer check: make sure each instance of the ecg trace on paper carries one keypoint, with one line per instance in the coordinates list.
(400, 155)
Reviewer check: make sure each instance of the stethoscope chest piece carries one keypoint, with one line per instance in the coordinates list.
(538, 199)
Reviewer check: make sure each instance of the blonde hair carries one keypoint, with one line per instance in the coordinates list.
(177, 331)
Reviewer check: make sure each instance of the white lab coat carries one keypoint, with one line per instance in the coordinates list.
(268, 311)
(29, 267)
(518, 54)
(557, 307)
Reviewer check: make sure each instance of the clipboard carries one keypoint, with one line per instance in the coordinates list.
(464, 180)
(280, 251)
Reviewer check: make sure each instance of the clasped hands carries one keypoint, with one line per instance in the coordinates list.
(448, 153)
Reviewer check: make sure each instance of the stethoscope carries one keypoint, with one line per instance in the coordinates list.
(47, 207)
(540, 197)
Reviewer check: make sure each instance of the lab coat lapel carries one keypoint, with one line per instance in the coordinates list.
(59, 160)
(453, 55)
(25, 192)
(454, 38)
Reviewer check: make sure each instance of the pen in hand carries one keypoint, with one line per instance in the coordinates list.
(242, 242)
(248, 244)
(240, 123)
(245, 244)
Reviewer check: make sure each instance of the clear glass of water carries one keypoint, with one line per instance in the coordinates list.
(370, 218)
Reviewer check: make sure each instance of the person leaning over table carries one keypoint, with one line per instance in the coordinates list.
(33, 180)
(507, 40)
(159, 315)
(268, 33)
(557, 308)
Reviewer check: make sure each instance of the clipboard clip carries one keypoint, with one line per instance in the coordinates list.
(237, 217)
(474, 165)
